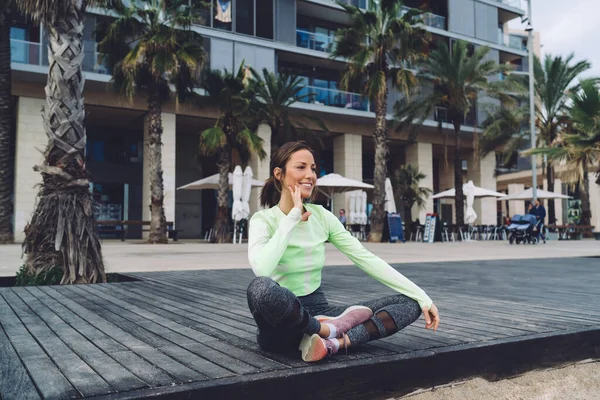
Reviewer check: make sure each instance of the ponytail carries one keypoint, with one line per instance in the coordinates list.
(270, 193)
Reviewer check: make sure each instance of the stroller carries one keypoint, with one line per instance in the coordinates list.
(521, 229)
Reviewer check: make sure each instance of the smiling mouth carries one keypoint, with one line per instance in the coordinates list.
(306, 185)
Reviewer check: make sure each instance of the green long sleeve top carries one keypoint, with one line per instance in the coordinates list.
(292, 251)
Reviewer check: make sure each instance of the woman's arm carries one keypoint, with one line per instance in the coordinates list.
(265, 251)
(371, 264)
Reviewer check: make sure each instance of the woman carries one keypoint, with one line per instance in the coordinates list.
(286, 249)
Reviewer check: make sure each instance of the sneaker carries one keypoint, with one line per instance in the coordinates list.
(315, 348)
(351, 317)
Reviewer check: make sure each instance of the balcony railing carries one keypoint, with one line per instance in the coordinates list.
(25, 52)
(429, 19)
(334, 98)
(356, 3)
(512, 3)
(314, 41)
(31, 53)
(512, 41)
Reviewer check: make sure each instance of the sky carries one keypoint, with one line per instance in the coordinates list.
(568, 26)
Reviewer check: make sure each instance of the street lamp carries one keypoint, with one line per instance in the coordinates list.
(529, 29)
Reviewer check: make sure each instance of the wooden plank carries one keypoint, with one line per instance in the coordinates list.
(100, 339)
(15, 383)
(48, 379)
(172, 347)
(87, 367)
(180, 372)
(87, 349)
(183, 312)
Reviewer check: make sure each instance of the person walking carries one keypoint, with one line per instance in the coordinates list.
(540, 215)
(286, 249)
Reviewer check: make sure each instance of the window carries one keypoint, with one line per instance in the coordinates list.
(252, 17)
(244, 17)
(264, 18)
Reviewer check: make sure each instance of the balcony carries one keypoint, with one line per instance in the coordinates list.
(512, 41)
(512, 3)
(32, 53)
(334, 98)
(357, 3)
(24, 52)
(314, 41)
(429, 19)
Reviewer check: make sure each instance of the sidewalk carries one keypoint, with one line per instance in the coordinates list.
(134, 256)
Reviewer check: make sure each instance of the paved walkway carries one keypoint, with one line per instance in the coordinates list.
(132, 256)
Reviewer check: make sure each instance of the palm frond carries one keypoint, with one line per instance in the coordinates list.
(152, 48)
(251, 141)
(212, 140)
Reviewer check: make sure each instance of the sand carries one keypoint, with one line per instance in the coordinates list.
(579, 381)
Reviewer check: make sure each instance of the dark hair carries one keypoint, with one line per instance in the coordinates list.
(271, 191)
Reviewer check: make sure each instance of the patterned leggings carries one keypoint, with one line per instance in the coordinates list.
(282, 318)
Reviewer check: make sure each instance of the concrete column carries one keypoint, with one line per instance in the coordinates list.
(420, 155)
(260, 168)
(31, 141)
(516, 206)
(594, 202)
(347, 161)
(168, 166)
(482, 175)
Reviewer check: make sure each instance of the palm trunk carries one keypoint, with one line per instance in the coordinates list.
(459, 199)
(551, 203)
(62, 231)
(381, 150)
(586, 213)
(222, 220)
(6, 126)
(158, 221)
(275, 128)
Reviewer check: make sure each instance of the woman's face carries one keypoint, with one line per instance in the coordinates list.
(300, 171)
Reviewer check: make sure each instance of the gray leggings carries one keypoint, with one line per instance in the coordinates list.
(282, 318)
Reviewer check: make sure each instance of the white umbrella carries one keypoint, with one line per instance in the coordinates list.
(362, 214)
(479, 192)
(212, 182)
(390, 203)
(246, 190)
(541, 194)
(237, 209)
(470, 193)
(352, 211)
(334, 183)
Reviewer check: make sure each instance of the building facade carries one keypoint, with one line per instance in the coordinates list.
(292, 35)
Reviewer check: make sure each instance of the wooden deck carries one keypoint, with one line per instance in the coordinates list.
(179, 334)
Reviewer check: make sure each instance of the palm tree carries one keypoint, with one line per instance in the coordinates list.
(405, 182)
(457, 78)
(378, 43)
(274, 94)
(166, 55)
(230, 93)
(6, 125)
(504, 130)
(62, 230)
(554, 80)
(578, 143)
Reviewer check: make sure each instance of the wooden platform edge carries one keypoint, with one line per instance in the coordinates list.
(389, 376)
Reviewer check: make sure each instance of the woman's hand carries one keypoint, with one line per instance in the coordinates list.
(432, 317)
(297, 197)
